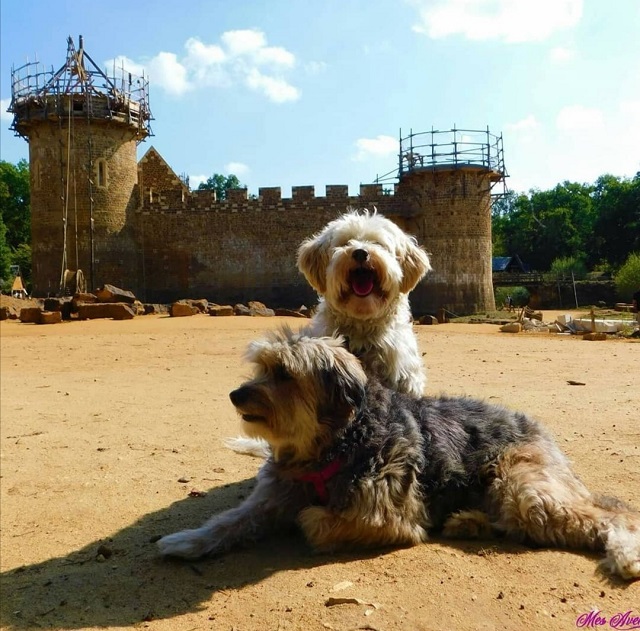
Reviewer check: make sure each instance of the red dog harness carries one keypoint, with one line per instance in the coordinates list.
(319, 478)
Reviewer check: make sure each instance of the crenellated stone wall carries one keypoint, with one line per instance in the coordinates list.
(155, 237)
(191, 244)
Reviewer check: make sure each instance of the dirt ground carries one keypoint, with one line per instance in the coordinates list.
(108, 427)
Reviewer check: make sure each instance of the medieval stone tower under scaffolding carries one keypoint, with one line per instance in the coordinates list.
(136, 224)
(83, 127)
(446, 183)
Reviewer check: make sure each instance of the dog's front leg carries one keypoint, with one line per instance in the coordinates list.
(327, 530)
(272, 503)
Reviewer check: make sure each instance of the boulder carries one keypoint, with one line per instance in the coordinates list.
(289, 313)
(50, 317)
(221, 310)
(138, 307)
(180, 309)
(115, 310)
(261, 312)
(202, 305)
(428, 319)
(9, 312)
(512, 327)
(154, 308)
(241, 310)
(81, 298)
(64, 305)
(110, 293)
(53, 304)
(30, 314)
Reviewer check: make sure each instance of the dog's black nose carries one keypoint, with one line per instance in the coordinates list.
(240, 395)
(360, 255)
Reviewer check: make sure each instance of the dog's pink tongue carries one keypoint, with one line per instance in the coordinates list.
(362, 284)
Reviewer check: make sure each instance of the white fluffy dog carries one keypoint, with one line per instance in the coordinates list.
(363, 267)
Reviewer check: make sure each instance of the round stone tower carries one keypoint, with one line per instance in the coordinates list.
(83, 127)
(443, 197)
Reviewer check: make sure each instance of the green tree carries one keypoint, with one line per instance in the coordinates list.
(15, 201)
(618, 224)
(628, 277)
(220, 184)
(546, 225)
(5, 254)
(564, 268)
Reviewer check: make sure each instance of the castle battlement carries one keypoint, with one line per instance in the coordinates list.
(174, 197)
(162, 190)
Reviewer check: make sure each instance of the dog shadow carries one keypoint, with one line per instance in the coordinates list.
(122, 581)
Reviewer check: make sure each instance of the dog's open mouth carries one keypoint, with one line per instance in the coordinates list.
(362, 281)
(253, 418)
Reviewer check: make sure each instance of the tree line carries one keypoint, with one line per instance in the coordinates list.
(576, 228)
(585, 227)
(15, 221)
(596, 224)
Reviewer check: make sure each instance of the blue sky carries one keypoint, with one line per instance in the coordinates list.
(299, 92)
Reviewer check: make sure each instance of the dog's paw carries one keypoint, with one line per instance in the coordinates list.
(187, 544)
(318, 525)
(623, 551)
(471, 524)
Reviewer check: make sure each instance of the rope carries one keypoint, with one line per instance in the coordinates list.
(65, 212)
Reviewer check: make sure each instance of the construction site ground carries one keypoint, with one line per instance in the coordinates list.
(112, 435)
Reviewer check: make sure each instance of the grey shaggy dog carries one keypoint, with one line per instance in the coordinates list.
(357, 464)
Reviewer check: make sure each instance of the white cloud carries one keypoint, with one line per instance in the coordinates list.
(241, 58)
(527, 124)
(579, 118)
(527, 130)
(242, 42)
(315, 67)
(164, 70)
(275, 88)
(237, 168)
(196, 180)
(630, 109)
(127, 64)
(512, 21)
(380, 146)
(561, 54)
(4, 115)
(168, 73)
(630, 117)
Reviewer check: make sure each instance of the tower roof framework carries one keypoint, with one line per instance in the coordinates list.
(79, 88)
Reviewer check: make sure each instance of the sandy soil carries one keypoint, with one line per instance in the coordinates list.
(102, 423)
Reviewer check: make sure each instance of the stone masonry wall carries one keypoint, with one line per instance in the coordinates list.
(190, 244)
(55, 178)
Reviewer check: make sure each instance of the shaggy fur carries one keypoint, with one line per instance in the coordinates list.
(355, 463)
(363, 267)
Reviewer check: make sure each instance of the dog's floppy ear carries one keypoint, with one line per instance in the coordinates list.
(415, 264)
(313, 259)
(344, 392)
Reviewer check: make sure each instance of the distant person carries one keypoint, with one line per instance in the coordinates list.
(636, 305)
(510, 303)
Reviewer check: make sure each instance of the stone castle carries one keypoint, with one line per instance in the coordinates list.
(136, 224)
